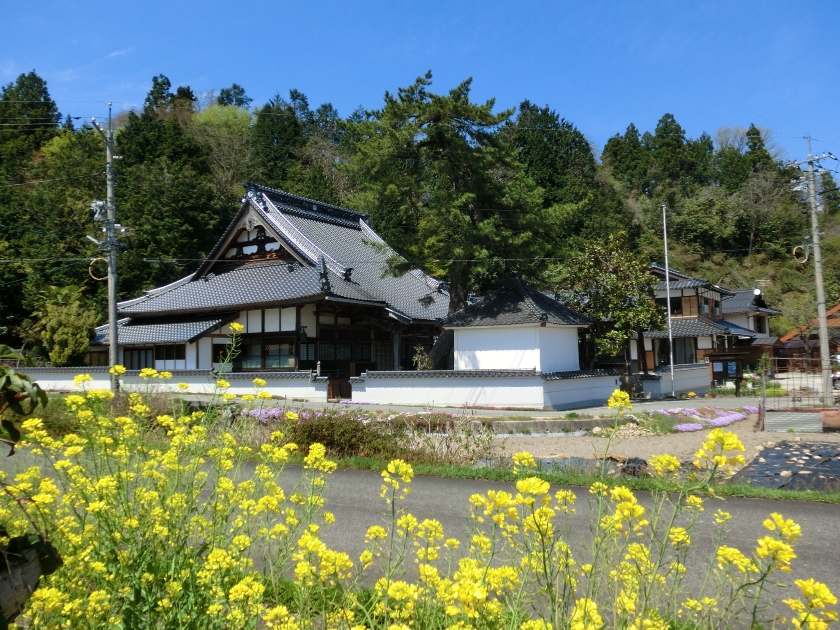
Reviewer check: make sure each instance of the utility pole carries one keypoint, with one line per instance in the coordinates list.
(668, 300)
(111, 243)
(825, 358)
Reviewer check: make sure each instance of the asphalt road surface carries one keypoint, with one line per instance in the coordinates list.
(353, 496)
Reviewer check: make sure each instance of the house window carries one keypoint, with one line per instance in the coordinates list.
(251, 357)
(266, 353)
(138, 358)
(307, 352)
(96, 358)
(361, 352)
(760, 325)
(220, 352)
(326, 351)
(342, 351)
(278, 353)
(676, 304)
(683, 351)
(170, 352)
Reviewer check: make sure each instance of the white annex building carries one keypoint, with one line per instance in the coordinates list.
(516, 348)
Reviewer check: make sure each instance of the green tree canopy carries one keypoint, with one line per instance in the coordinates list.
(443, 188)
(613, 286)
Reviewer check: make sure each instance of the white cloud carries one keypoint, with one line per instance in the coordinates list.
(7, 68)
(117, 53)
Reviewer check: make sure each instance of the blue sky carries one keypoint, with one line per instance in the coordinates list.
(600, 65)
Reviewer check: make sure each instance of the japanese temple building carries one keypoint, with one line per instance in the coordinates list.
(307, 281)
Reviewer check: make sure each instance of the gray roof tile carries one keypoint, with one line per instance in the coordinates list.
(317, 232)
(699, 327)
(169, 330)
(682, 281)
(746, 301)
(516, 303)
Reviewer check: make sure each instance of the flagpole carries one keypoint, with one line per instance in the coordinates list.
(668, 300)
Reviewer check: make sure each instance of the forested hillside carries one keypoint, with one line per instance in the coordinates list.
(464, 190)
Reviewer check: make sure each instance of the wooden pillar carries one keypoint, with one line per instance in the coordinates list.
(397, 340)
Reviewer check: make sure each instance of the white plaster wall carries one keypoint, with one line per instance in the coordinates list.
(241, 319)
(198, 384)
(272, 320)
(558, 347)
(307, 318)
(205, 353)
(254, 322)
(497, 347)
(575, 393)
(288, 319)
(705, 343)
(192, 356)
(696, 379)
(447, 392)
(740, 320)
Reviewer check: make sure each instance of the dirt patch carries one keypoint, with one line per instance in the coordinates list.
(680, 445)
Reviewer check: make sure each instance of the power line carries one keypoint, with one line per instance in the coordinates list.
(29, 275)
(47, 181)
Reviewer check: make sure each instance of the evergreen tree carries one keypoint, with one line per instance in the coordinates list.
(277, 137)
(830, 194)
(629, 160)
(234, 95)
(165, 194)
(30, 119)
(443, 188)
(757, 154)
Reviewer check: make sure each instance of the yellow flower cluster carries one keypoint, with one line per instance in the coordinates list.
(169, 532)
(716, 452)
(620, 401)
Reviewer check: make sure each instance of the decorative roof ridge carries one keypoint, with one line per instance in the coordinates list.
(319, 204)
(299, 240)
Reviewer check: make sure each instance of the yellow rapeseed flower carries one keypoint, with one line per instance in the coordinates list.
(222, 384)
(236, 327)
(147, 373)
(81, 378)
(259, 382)
(118, 370)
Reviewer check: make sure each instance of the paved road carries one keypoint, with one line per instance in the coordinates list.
(354, 498)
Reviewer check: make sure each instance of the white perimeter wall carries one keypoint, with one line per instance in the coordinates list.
(694, 379)
(55, 380)
(452, 392)
(575, 393)
(548, 349)
(530, 392)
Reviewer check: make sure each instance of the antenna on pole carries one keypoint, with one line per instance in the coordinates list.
(668, 300)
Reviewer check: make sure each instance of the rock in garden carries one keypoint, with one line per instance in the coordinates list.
(597, 431)
(785, 473)
(761, 460)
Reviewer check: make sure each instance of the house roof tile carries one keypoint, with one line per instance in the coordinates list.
(170, 330)
(321, 235)
(516, 303)
(699, 327)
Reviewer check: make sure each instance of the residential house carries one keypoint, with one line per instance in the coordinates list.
(746, 308)
(698, 325)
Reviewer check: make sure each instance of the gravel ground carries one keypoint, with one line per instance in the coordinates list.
(681, 445)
